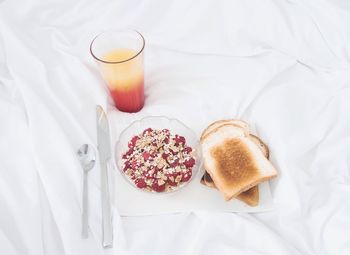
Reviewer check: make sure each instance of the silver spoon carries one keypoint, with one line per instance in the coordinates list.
(87, 157)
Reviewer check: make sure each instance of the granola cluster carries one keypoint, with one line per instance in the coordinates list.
(158, 160)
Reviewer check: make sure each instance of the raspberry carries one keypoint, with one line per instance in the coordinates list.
(133, 165)
(190, 163)
(179, 139)
(156, 170)
(146, 155)
(140, 183)
(171, 179)
(186, 176)
(187, 149)
(128, 153)
(126, 166)
(175, 163)
(132, 142)
(148, 130)
(158, 188)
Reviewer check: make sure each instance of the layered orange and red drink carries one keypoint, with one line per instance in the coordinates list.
(125, 79)
(120, 57)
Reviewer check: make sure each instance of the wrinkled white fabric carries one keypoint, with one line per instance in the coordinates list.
(283, 66)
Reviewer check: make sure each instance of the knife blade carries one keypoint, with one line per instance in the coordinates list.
(104, 149)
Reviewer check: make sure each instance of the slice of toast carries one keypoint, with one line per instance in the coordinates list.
(243, 125)
(234, 162)
(218, 123)
(251, 196)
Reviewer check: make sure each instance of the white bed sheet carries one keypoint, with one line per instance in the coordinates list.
(283, 66)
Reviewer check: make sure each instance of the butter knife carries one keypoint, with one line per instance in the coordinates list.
(104, 149)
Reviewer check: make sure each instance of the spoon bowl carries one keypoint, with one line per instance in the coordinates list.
(87, 157)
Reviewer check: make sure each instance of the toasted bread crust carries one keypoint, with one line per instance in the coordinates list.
(229, 197)
(212, 124)
(254, 138)
(262, 146)
(209, 129)
(250, 197)
(205, 135)
(208, 181)
(224, 121)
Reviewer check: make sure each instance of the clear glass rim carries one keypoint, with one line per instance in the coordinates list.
(117, 62)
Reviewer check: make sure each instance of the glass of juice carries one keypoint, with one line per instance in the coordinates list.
(119, 55)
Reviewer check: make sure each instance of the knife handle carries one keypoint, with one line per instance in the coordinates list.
(107, 228)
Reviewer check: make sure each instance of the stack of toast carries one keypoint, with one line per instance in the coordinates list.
(235, 160)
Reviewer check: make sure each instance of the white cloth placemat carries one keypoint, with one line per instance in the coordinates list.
(194, 197)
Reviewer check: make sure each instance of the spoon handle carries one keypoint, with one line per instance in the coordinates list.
(85, 207)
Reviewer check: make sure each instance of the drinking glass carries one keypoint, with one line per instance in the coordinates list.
(119, 55)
